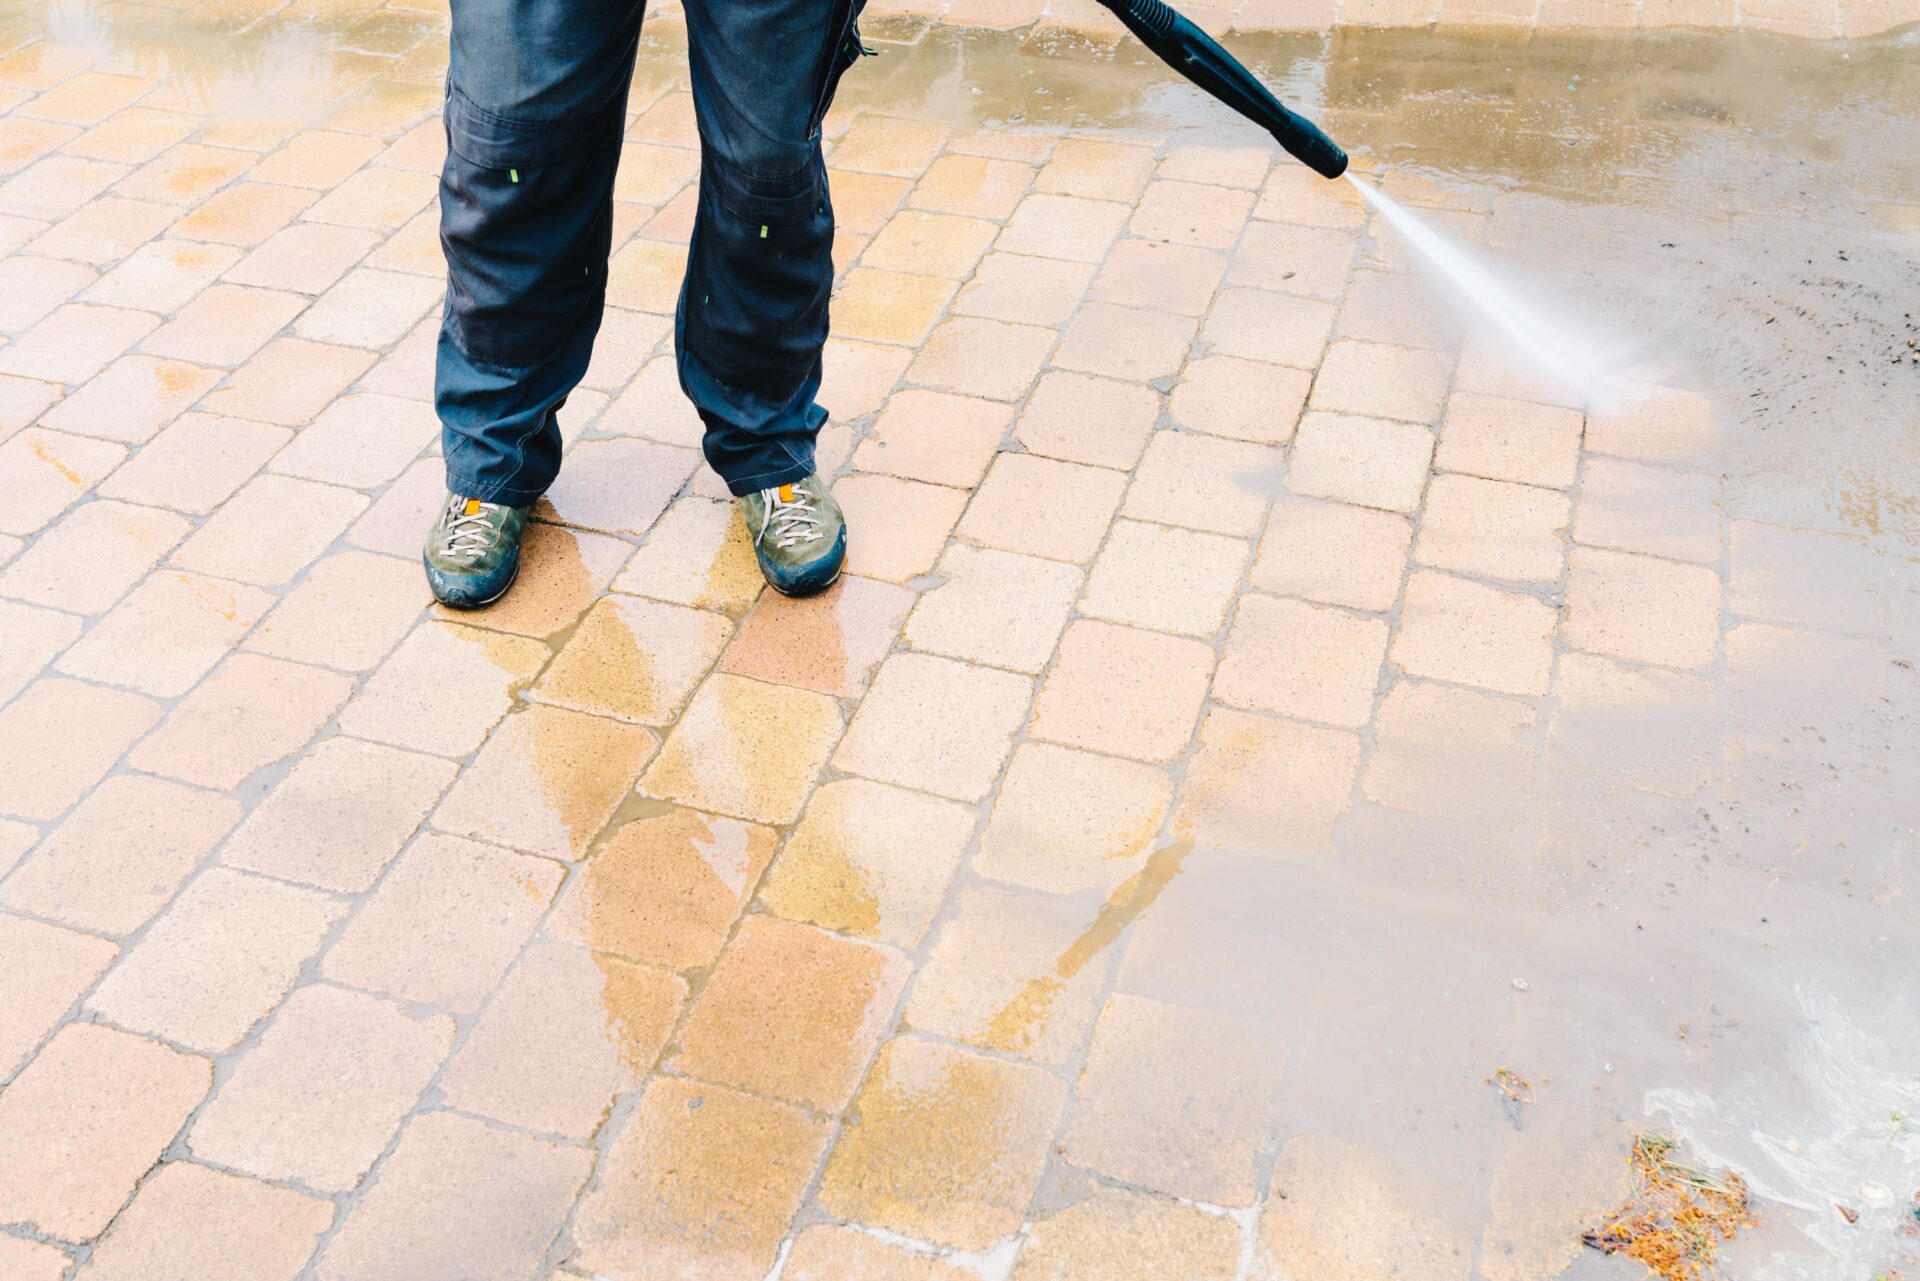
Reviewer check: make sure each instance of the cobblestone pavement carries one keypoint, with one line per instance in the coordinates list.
(649, 925)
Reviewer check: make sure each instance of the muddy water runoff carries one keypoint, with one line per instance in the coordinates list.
(1735, 965)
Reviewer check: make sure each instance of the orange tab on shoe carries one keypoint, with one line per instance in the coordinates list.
(786, 493)
(472, 508)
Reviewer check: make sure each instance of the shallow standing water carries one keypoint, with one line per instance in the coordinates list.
(1676, 891)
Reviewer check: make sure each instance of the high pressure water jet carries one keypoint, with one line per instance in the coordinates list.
(1199, 57)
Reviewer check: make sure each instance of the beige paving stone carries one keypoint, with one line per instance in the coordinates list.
(1351, 1212)
(1010, 972)
(1024, 289)
(995, 608)
(1122, 1235)
(245, 214)
(162, 275)
(1400, 309)
(82, 1123)
(1123, 691)
(979, 186)
(22, 400)
(1642, 609)
(1292, 259)
(57, 185)
(306, 258)
(1203, 482)
(699, 553)
(225, 325)
(121, 854)
(625, 341)
(1304, 660)
(1128, 343)
(653, 175)
(316, 158)
(1043, 507)
(1658, 425)
(445, 923)
(931, 244)
(133, 135)
(832, 1252)
(1068, 821)
(291, 381)
(654, 407)
(562, 572)
(644, 275)
(936, 725)
(1368, 461)
(979, 357)
(1334, 553)
(340, 816)
(222, 955)
(167, 633)
(619, 486)
(546, 781)
(319, 1097)
(1048, 225)
(1096, 169)
(376, 198)
(91, 555)
(59, 737)
(1654, 728)
(270, 530)
(24, 1260)
(600, 1021)
(458, 1196)
(1509, 440)
(1256, 324)
(888, 144)
(1161, 276)
(30, 637)
(1493, 528)
(32, 287)
(134, 398)
(75, 343)
(16, 838)
(1240, 399)
(369, 308)
(195, 464)
(1191, 213)
(858, 376)
(792, 1012)
(348, 612)
(188, 1221)
(46, 970)
(933, 436)
(1242, 167)
(701, 1182)
(746, 748)
(1082, 419)
(187, 173)
(1802, 576)
(665, 890)
(829, 643)
(46, 472)
(949, 1148)
(443, 688)
(1171, 580)
(888, 306)
(251, 712)
(1451, 753)
(869, 860)
(1488, 367)
(1382, 382)
(1457, 630)
(1267, 786)
(104, 230)
(1636, 508)
(1156, 1075)
(862, 202)
(633, 659)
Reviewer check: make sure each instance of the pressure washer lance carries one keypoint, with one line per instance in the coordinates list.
(1198, 57)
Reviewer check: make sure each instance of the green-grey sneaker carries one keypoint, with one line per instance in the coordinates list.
(799, 534)
(473, 551)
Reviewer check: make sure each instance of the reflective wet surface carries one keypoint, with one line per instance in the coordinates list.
(1285, 790)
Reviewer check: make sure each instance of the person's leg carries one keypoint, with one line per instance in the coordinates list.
(753, 309)
(536, 105)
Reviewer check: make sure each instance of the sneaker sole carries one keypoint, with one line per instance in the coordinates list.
(811, 591)
(468, 606)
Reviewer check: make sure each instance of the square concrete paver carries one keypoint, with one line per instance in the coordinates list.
(995, 607)
(1455, 629)
(1303, 660)
(1494, 529)
(1334, 553)
(635, 659)
(1122, 1235)
(190, 1221)
(936, 725)
(1124, 691)
(1642, 609)
(1267, 785)
(1069, 821)
(46, 969)
(746, 748)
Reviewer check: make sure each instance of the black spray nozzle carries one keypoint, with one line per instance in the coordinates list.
(1199, 57)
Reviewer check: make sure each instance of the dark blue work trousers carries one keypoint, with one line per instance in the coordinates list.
(536, 107)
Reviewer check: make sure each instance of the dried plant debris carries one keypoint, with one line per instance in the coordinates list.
(1515, 1090)
(1677, 1218)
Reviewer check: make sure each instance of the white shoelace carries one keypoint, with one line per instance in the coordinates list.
(468, 533)
(790, 523)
